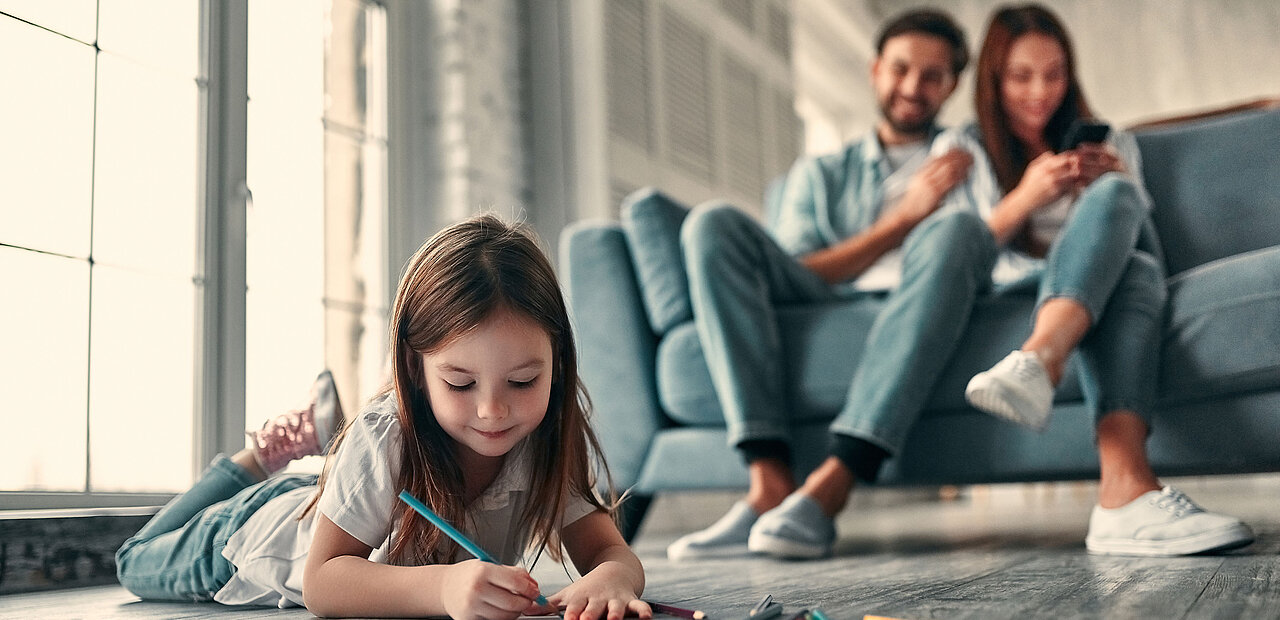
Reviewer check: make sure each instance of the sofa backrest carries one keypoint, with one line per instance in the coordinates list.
(1215, 184)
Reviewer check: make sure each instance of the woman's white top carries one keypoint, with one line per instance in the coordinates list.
(981, 192)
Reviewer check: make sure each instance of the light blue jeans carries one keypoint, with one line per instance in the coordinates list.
(177, 555)
(1107, 258)
(738, 276)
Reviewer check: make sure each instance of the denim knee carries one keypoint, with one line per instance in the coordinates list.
(711, 230)
(955, 242)
(1115, 198)
(1143, 283)
(124, 556)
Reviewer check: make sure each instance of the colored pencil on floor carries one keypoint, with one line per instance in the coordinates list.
(672, 610)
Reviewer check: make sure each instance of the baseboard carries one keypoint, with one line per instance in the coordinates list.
(64, 550)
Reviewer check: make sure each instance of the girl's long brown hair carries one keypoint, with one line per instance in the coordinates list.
(452, 284)
(1008, 156)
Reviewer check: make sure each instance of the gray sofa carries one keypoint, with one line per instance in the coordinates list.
(1215, 182)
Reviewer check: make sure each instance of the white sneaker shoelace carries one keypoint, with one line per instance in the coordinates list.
(1175, 502)
(1017, 388)
(1026, 370)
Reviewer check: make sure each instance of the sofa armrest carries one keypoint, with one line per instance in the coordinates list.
(616, 346)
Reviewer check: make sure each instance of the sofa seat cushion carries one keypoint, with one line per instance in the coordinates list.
(1223, 331)
(822, 346)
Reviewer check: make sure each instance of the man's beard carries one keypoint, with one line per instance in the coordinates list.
(916, 128)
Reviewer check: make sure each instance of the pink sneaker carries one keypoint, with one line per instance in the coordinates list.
(300, 433)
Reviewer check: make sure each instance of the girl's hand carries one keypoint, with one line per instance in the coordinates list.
(1047, 178)
(601, 594)
(1094, 160)
(476, 589)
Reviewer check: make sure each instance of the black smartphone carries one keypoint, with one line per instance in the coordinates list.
(1082, 131)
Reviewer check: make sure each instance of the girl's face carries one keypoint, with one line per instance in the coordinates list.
(490, 388)
(1033, 83)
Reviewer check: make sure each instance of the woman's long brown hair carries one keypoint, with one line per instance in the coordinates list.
(1008, 156)
(452, 284)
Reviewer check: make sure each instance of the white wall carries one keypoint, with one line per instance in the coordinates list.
(1137, 59)
(456, 142)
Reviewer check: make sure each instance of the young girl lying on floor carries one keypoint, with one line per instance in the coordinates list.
(484, 421)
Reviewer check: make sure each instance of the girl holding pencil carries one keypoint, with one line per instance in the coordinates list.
(484, 421)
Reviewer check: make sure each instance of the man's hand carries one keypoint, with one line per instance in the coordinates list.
(934, 179)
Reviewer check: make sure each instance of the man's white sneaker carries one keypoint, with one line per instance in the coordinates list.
(724, 538)
(1163, 523)
(796, 530)
(1016, 389)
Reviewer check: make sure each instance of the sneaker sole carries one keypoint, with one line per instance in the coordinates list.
(1224, 539)
(995, 401)
(786, 549)
(326, 410)
(710, 553)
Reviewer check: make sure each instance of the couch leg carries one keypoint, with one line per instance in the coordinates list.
(631, 514)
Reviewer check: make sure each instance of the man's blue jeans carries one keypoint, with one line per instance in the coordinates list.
(738, 276)
(177, 555)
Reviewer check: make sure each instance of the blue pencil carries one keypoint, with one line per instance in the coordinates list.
(457, 536)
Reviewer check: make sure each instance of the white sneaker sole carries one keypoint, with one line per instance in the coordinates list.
(707, 553)
(785, 548)
(1221, 539)
(994, 399)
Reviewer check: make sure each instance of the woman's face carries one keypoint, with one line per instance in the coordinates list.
(1033, 83)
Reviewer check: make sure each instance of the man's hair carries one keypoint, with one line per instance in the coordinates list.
(930, 22)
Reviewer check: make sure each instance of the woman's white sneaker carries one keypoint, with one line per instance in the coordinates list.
(1163, 523)
(1016, 389)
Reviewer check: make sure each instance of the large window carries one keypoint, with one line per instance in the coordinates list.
(317, 170)
(99, 177)
(105, 132)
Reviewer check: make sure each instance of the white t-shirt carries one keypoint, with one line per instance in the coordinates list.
(981, 192)
(270, 550)
(903, 161)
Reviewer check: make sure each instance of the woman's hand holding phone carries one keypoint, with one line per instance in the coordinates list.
(1047, 178)
(1092, 160)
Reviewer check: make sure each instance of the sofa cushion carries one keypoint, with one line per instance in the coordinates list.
(1223, 332)
(822, 348)
(652, 222)
(1215, 186)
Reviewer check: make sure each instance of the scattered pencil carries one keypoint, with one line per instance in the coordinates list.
(672, 610)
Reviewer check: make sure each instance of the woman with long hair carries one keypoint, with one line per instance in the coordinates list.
(1076, 216)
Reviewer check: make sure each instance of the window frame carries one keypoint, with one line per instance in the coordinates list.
(223, 201)
(220, 265)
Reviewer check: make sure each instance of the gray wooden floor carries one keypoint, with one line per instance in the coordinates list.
(1009, 551)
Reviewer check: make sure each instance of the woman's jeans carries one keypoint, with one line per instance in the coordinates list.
(1107, 259)
(177, 556)
(739, 276)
